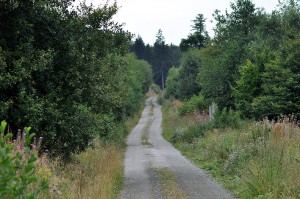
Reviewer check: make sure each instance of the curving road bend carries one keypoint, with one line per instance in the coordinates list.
(148, 152)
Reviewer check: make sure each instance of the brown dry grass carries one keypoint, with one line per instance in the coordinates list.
(94, 174)
(177, 104)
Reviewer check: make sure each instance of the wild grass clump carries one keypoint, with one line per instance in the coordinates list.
(185, 117)
(274, 171)
(169, 185)
(257, 160)
(95, 173)
(253, 160)
(155, 88)
(226, 118)
(22, 173)
(175, 127)
(188, 135)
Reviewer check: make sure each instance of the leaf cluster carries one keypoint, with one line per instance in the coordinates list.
(64, 71)
(252, 63)
(18, 177)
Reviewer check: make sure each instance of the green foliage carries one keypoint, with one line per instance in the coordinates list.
(155, 88)
(257, 160)
(187, 78)
(212, 75)
(139, 48)
(172, 83)
(247, 88)
(189, 135)
(271, 87)
(277, 96)
(138, 78)
(199, 38)
(233, 33)
(226, 118)
(160, 55)
(252, 63)
(66, 72)
(18, 161)
(196, 104)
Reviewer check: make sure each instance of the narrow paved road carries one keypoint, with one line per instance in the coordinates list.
(149, 157)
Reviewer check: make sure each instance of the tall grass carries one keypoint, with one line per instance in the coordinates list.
(95, 173)
(253, 160)
(274, 171)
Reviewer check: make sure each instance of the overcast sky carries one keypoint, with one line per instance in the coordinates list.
(174, 17)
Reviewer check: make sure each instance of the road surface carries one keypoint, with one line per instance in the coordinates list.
(154, 169)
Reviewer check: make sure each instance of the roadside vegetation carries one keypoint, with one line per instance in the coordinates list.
(95, 173)
(250, 69)
(67, 72)
(168, 184)
(251, 159)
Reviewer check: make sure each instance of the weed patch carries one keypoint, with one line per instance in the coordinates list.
(95, 173)
(22, 173)
(145, 136)
(168, 183)
(252, 160)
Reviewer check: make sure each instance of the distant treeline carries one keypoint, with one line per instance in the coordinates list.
(67, 72)
(252, 64)
(160, 55)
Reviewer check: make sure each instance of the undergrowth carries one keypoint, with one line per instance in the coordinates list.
(252, 160)
(96, 173)
(22, 173)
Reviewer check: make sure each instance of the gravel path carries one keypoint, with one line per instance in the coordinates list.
(143, 158)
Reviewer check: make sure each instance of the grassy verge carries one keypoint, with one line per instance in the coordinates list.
(96, 173)
(252, 160)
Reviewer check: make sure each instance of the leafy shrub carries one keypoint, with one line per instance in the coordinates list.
(188, 135)
(188, 72)
(225, 118)
(18, 178)
(156, 88)
(72, 87)
(273, 171)
(196, 104)
(160, 99)
(172, 83)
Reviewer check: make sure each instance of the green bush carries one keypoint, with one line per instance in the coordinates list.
(18, 177)
(156, 88)
(188, 72)
(196, 104)
(172, 83)
(73, 86)
(188, 135)
(226, 118)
